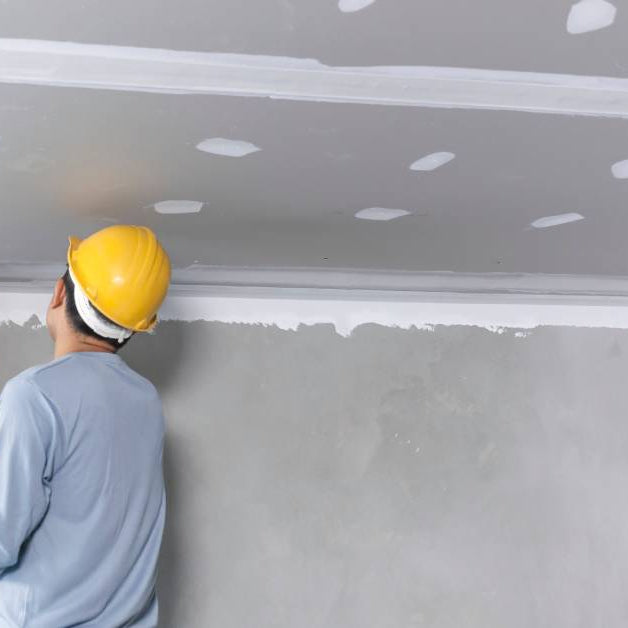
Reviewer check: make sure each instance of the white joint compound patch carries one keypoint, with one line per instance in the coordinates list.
(382, 214)
(620, 169)
(554, 221)
(432, 161)
(67, 64)
(178, 207)
(352, 6)
(590, 15)
(227, 148)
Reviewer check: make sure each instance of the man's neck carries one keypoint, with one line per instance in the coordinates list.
(64, 346)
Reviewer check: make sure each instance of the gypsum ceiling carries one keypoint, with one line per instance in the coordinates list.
(73, 159)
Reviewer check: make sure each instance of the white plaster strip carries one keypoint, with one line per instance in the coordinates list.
(346, 312)
(67, 64)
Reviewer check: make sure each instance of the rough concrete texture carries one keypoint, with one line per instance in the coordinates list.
(390, 479)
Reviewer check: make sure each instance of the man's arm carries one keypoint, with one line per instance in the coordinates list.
(25, 437)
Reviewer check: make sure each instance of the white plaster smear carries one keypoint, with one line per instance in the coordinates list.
(351, 6)
(67, 64)
(178, 207)
(227, 148)
(620, 169)
(381, 214)
(554, 221)
(590, 15)
(347, 314)
(432, 161)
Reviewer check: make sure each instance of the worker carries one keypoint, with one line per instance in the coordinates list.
(82, 500)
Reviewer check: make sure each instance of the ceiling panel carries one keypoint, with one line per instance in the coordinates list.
(72, 160)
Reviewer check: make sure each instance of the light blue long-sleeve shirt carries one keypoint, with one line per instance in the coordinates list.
(82, 501)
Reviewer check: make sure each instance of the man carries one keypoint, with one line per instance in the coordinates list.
(82, 500)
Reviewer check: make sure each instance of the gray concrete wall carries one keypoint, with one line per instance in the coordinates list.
(393, 479)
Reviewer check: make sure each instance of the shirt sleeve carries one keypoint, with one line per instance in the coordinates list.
(25, 438)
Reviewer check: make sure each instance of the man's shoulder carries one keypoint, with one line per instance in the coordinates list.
(22, 395)
(30, 379)
(44, 379)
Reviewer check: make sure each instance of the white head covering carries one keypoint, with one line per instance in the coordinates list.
(93, 320)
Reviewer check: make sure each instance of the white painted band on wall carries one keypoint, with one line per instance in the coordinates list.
(349, 311)
(67, 64)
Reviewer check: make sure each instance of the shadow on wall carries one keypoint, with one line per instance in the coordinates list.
(160, 358)
(157, 356)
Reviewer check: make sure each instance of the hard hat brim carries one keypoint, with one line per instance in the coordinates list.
(74, 244)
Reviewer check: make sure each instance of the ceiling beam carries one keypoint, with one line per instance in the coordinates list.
(348, 283)
(67, 64)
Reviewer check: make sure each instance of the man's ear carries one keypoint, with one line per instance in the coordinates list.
(58, 295)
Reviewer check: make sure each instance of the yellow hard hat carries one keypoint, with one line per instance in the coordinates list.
(124, 272)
